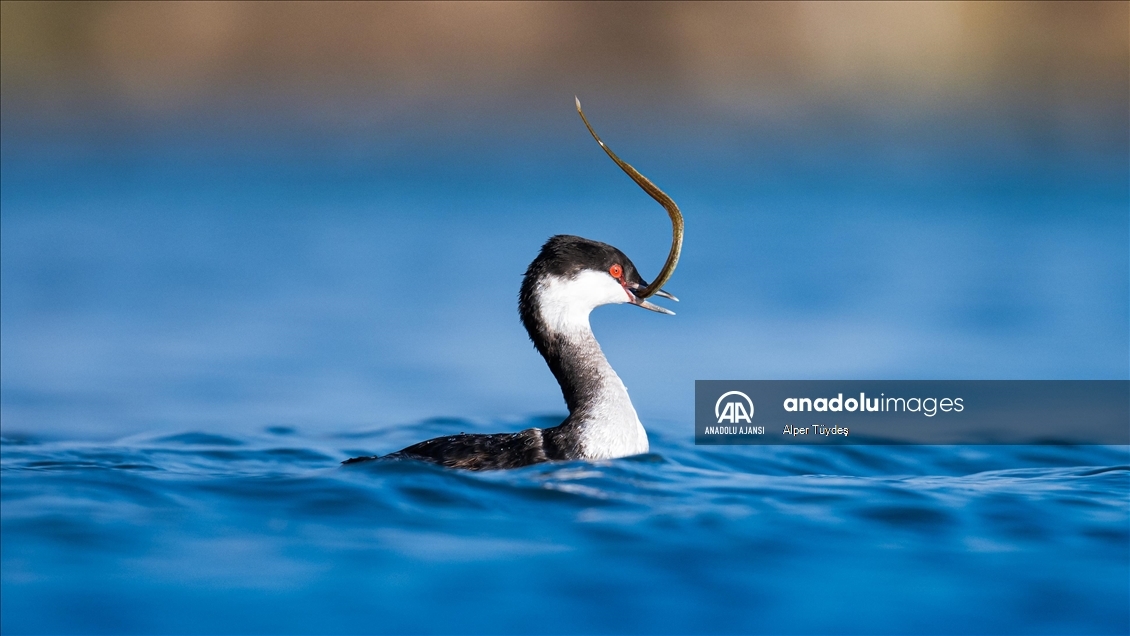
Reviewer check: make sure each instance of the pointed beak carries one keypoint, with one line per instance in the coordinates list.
(636, 300)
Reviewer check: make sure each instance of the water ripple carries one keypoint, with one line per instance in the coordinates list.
(738, 538)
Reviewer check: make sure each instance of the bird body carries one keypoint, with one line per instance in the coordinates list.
(569, 278)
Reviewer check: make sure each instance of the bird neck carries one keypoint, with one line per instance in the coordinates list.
(582, 370)
(600, 410)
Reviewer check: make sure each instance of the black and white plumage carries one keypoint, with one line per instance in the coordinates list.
(570, 277)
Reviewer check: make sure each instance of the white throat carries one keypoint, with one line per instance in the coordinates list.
(565, 303)
(607, 421)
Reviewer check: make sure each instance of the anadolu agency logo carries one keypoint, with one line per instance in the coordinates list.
(734, 407)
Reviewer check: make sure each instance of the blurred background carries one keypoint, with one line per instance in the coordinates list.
(229, 216)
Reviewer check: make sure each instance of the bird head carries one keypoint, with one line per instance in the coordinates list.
(585, 274)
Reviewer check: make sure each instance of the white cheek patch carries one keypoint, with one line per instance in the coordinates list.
(565, 303)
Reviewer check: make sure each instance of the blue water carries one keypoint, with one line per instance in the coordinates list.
(201, 532)
(201, 319)
(228, 280)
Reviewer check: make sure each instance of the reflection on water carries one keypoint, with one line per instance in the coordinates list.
(202, 532)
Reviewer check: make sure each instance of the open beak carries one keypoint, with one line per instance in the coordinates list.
(636, 300)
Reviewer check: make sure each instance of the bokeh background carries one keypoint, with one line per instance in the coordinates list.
(229, 216)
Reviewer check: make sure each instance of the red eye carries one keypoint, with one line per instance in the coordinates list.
(616, 271)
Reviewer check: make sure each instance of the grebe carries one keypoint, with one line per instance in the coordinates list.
(570, 277)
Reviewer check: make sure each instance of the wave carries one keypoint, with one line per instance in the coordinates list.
(203, 532)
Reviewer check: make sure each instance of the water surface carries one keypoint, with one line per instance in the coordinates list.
(198, 532)
(201, 319)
